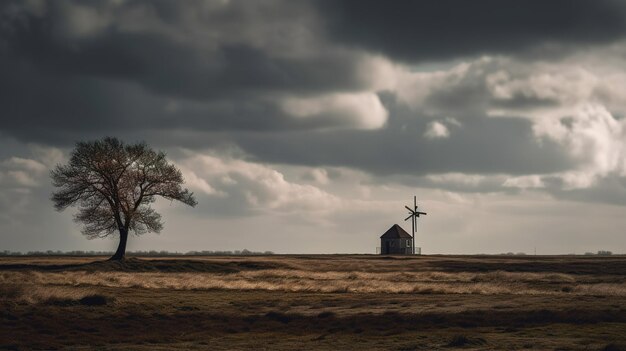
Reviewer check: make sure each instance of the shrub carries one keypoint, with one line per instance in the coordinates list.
(89, 300)
(94, 300)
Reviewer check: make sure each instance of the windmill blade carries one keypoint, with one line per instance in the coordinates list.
(420, 213)
(406, 219)
(408, 208)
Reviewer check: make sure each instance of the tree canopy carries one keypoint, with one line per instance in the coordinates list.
(113, 184)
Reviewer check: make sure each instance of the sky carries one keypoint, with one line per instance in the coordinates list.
(306, 126)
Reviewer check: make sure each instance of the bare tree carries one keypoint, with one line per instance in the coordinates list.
(113, 185)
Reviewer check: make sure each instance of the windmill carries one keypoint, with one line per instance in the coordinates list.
(414, 215)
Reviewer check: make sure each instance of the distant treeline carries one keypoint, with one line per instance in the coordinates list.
(244, 252)
(599, 253)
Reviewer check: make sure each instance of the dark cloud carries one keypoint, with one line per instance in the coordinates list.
(74, 69)
(482, 145)
(46, 106)
(208, 74)
(448, 29)
(608, 190)
(215, 64)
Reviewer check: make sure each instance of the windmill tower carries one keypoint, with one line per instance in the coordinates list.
(414, 214)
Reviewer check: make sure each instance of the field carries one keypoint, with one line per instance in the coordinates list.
(332, 302)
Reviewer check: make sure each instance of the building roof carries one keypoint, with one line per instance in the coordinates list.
(396, 232)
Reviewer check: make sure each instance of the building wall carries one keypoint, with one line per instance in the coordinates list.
(396, 246)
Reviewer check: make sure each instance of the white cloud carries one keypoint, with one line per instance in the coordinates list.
(47, 155)
(594, 138)
(524, 182)
(436, 130)
(379, 73)
(17, 172)
(457, 179)
(317, 175)
(578, 121)
(255, 186)
(575, 116)
(24, 189)
(414, 88)
(358, 110)
(199, 184)
(500, 86)
(441, 129)
(571, 103)
(453, 122)
(562, 83)
(25, 164)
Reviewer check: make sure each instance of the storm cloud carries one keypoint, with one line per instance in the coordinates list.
(438, 30)
(304, 115)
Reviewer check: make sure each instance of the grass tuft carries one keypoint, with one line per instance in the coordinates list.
(462, 340)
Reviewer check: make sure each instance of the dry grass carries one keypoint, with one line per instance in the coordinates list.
(314, 302)
(601, 289)
(33, 293)
(499, 282)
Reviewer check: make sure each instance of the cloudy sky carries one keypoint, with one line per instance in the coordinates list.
(306, 126)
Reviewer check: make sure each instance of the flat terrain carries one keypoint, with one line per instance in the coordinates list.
(333, 302)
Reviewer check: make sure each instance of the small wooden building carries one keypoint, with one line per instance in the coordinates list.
(396, 241)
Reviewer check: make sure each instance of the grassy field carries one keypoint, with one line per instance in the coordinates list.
(333, 302)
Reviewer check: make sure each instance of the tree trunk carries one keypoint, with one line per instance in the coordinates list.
(120, 253)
